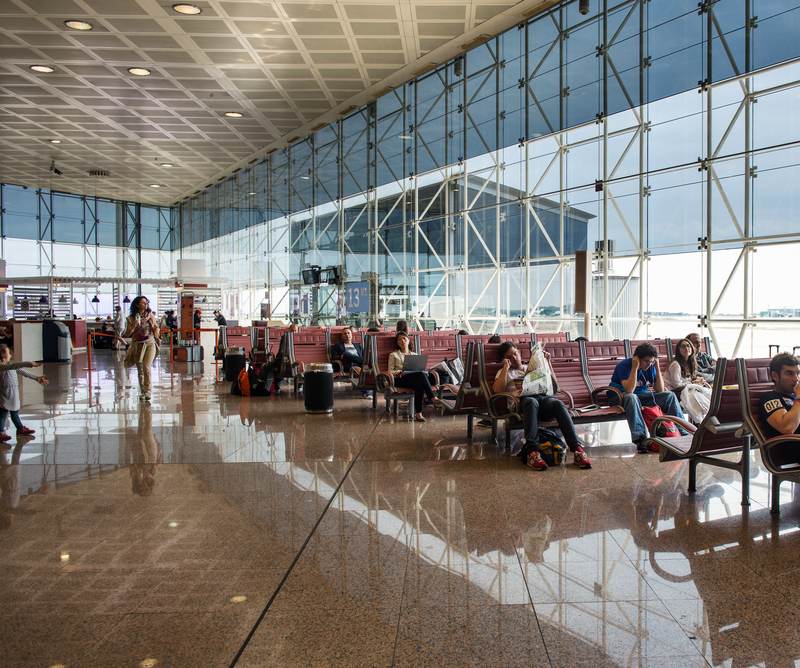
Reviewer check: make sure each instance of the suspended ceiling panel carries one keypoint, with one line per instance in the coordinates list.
(283, 65)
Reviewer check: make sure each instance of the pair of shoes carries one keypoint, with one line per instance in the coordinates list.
(419, 417)
(534, 461)
(26, 431)
(484, 423)
(147, 398)
(580, 459)
(4, 437)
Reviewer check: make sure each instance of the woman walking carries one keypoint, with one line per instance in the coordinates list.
(142, 326)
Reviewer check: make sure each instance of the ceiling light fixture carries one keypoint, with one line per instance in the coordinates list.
(139, 71)
(74, 24)
(155, 185)
(167, 164)
(405, 137)
(186, 8)
(234, 114)
(55, 141)
(43, 69)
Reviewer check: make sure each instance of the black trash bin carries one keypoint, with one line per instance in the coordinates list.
(318, 388)
(233, 363)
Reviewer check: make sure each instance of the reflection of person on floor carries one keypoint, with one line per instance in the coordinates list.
(10, 474)
(9, 391)
(144, 454)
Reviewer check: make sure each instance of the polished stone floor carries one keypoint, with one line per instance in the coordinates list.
(211, 530)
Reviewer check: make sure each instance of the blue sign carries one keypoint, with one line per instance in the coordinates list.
(356, 298)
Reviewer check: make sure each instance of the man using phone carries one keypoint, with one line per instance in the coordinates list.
(535, 408)
(779, 408)
(639, 380)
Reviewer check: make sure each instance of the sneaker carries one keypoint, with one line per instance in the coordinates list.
(147, 398)
(535, 461)
(580, 459)
(26, 431)
(641, 448)
(419, 417)
(4, 437)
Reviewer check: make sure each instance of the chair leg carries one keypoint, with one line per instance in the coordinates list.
(470, 420)
(508, 436)
(692, 476)
(494, 432)
(375, 399)
(775, 495)
(745, 470)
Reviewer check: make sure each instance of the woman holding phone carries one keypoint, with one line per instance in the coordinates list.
(142, 326)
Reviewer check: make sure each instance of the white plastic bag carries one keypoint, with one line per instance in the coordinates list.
(696, 400)
(538, 379)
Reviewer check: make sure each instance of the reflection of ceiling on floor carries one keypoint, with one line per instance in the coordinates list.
(282, 64)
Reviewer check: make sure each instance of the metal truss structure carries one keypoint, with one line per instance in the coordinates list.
(655, 135)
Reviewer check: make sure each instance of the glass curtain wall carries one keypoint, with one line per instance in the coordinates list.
(47, 233)
(660, 136)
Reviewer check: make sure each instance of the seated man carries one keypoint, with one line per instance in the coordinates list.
(779, 409)
(533, 408)
(706, 365)
(639, 380)
(351, 354)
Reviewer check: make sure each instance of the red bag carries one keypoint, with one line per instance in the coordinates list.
(663, 429)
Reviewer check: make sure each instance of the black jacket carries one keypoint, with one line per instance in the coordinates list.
(338, 350)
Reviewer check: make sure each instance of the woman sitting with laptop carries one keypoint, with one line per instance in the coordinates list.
(416, 380)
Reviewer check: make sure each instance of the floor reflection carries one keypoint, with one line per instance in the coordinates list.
(169, 532)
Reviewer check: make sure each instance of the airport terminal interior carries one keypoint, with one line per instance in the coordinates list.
(217, 215)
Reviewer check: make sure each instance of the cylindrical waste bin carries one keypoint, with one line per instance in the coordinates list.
(318, 388)
(233, 363)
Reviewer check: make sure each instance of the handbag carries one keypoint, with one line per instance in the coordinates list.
(696, 401)
(538, 378)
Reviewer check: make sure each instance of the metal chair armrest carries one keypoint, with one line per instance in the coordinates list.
(384, 381)
(775, 441)
(716, 427)
(435, 376)
(511, 405)
(600, 394)
(688, 426)
(570, 402)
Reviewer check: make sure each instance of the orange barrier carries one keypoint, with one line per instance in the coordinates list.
(89, 337)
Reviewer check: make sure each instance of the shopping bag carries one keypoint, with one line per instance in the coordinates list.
(538, 379)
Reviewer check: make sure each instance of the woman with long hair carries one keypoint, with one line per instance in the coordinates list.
(684, 378)
(142, 326)
(414, 380)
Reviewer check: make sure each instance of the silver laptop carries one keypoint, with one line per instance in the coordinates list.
(415, 362)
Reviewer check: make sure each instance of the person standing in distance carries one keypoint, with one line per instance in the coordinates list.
(142, 326)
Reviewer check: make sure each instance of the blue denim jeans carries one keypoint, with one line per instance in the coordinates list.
(632, 403)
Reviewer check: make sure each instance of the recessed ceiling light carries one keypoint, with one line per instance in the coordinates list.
(186, 8)
(234, 114)
(251, 194)
(167, 164)
(155, 185)
(406, 137)
(139, 71)
(305, 178)
(74, 24)
(55, 141)
(44, 69)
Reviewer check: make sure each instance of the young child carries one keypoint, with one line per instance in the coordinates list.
(9, 391)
